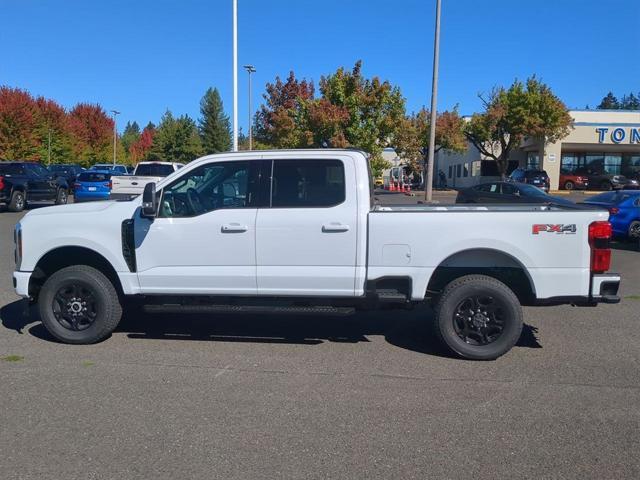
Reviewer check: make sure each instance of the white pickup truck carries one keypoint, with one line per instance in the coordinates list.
(126, 187)
(300, 231)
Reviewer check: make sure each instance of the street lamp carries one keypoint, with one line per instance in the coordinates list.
(250, 69)
(115, 135)
(428, 191)
(235, 75)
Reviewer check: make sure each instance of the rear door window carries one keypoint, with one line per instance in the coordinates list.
(11, 170)
(307, 183)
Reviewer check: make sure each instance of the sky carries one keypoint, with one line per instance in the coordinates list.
(146, 56)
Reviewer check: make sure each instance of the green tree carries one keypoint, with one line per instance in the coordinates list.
(375, 111)
(52, 132)
(523, 110)
(175, 140)
(213, 124)
(412, 138)
(610, 102)
(130, 135)
(630, 102)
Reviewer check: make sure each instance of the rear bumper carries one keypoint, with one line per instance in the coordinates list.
(604, 289)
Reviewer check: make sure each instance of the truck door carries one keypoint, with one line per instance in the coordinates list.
(40, 182)
(306, 240)
(203, 240)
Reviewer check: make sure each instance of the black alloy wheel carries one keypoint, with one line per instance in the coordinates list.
(74, 306)
(479, 319)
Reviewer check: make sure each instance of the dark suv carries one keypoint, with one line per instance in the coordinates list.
(601, 180)
(22, 182)
(69, 171)
(537, 178)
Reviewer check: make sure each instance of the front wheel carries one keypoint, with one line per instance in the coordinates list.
(79, 305)
(569, 185)
(62, 197)
(478, 317)
(634, 229)
(606, 186)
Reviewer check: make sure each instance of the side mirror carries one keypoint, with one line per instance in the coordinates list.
(149, 201)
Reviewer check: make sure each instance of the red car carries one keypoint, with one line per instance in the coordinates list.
(571, 181)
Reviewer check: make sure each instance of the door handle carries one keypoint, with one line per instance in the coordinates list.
(335, 227)
(233, 228)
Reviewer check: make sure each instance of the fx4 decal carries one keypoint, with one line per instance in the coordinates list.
(559, 228)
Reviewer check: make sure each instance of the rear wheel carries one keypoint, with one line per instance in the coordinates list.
(79, 305)
(634, 229)
(17, 202)
(478, 317)
(569, 185)
(62, 197)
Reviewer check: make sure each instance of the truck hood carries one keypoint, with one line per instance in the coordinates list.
(90, 208)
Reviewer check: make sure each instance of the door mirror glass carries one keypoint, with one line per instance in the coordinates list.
(149, 201)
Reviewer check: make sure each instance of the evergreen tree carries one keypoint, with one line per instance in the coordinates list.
(130, 135)
(176, 140)
(610, 102)
(213, 125)
(630, 102)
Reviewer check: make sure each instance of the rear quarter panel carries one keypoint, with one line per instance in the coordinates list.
(557, 264)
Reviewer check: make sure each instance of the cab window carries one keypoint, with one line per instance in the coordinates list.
(307, 183)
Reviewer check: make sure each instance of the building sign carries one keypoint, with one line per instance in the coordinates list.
(618, 135)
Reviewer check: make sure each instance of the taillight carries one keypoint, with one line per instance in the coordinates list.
(599, 235)
(613, 210)
(109, 185)
(76, 185)
(1, 183)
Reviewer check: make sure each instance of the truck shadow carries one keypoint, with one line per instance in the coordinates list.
(410, 330)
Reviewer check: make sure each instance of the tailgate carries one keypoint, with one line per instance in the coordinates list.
(130, 185)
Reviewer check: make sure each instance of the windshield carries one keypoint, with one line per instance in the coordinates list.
(154, 170)
(612, 197)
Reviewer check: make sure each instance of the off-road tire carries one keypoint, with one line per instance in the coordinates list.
(459, 289)
(108, 306)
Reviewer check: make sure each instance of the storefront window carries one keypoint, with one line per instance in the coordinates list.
(533, 160)
(570, 162)
(613, 164)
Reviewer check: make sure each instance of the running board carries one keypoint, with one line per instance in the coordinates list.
(280, 310)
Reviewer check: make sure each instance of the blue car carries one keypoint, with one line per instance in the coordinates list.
(92, 185)
(624, 211)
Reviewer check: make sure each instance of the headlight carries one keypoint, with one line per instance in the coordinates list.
(17, 241)
(617, 178)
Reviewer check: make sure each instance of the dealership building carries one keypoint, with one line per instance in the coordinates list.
(604, 140)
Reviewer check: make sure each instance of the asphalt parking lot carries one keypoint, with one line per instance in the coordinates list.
(369, 396)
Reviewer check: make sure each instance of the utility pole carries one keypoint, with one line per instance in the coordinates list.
(428, 191)
(49, 149)
(235, 75)
(115, 135)
(250, 69)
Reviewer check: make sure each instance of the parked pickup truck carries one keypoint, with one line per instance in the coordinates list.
(129, 186)
(25, 182)
(300, 232)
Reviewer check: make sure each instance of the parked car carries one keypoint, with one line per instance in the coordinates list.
(573, 181)
(296, 231)
(116, 169)
(69, 171)
(531, 176)
(24, 182)
(93, 185)
(507, 192)
(624, 210)
(129, 186)
(601, 180)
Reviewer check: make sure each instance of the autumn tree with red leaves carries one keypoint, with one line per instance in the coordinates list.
(92, 131)
(18, 121)
(140, 148)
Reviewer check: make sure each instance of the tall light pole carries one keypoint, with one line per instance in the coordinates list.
(115, 135)
(428, 191)
(235, 75)
(250, 69)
